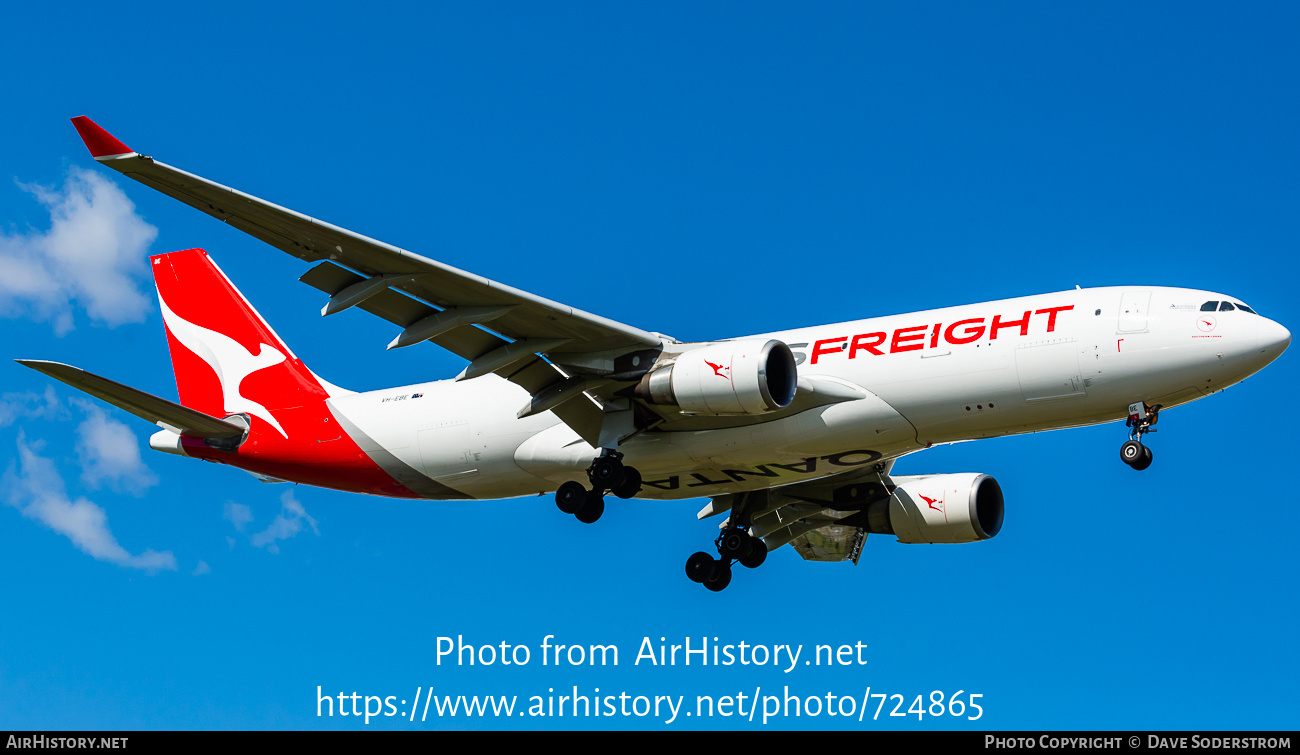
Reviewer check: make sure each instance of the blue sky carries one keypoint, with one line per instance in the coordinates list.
(702, 171)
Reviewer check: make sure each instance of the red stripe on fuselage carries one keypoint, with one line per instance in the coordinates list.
(317, 452)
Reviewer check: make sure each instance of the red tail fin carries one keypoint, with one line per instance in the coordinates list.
(227, 359)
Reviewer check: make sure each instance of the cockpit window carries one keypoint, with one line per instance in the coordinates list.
(1209, 306)
(1226, 307)
(1244, 308)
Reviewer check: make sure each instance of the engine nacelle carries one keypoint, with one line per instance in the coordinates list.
(753, 376)
(941, 508)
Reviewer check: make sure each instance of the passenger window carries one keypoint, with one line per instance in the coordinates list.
(1209, 306)
(1244, 308)
(1226, 307)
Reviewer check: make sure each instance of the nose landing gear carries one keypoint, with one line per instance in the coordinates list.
(606, 473)
(1136, 455)
(1140, 421)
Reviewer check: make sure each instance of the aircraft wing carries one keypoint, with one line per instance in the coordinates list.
(426, 298)
(823, 520)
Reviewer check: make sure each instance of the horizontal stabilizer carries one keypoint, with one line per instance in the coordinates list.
(160, 411)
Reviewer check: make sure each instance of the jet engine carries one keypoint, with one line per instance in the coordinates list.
(751, 376)
(942, 508)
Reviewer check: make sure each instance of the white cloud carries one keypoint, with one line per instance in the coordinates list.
(38, 492)
(29, 405)
(202, 569)
(286, 524)
(94, 254)
(237, 514)
(110, 452)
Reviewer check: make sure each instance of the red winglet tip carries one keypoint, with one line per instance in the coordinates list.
(98, 141)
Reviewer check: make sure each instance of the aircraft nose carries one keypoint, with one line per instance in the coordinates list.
(1253, 346)
(1273, 337)
(1270, 340)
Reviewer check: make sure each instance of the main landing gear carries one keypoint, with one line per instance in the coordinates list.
(607, 473)
(1140, 421)
(734, 544)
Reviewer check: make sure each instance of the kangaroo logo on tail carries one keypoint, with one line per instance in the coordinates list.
(231, 361)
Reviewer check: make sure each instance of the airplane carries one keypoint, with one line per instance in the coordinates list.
(791, 435)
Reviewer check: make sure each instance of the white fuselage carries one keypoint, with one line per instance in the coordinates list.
(900, 383)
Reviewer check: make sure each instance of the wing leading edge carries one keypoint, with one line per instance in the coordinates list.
(498, 328)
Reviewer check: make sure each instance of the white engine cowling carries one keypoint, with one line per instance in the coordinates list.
(753, 376)
(942, 508)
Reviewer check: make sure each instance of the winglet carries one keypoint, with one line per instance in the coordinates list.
(100, 143)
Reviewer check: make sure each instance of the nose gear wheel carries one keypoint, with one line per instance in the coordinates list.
(1140, 420)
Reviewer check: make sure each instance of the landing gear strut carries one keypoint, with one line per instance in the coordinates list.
(1140, 420)
(734, 544)
(607, 473)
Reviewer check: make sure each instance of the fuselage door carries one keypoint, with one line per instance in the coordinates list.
(446, 450)
(1049, 371)
(1134, 307)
